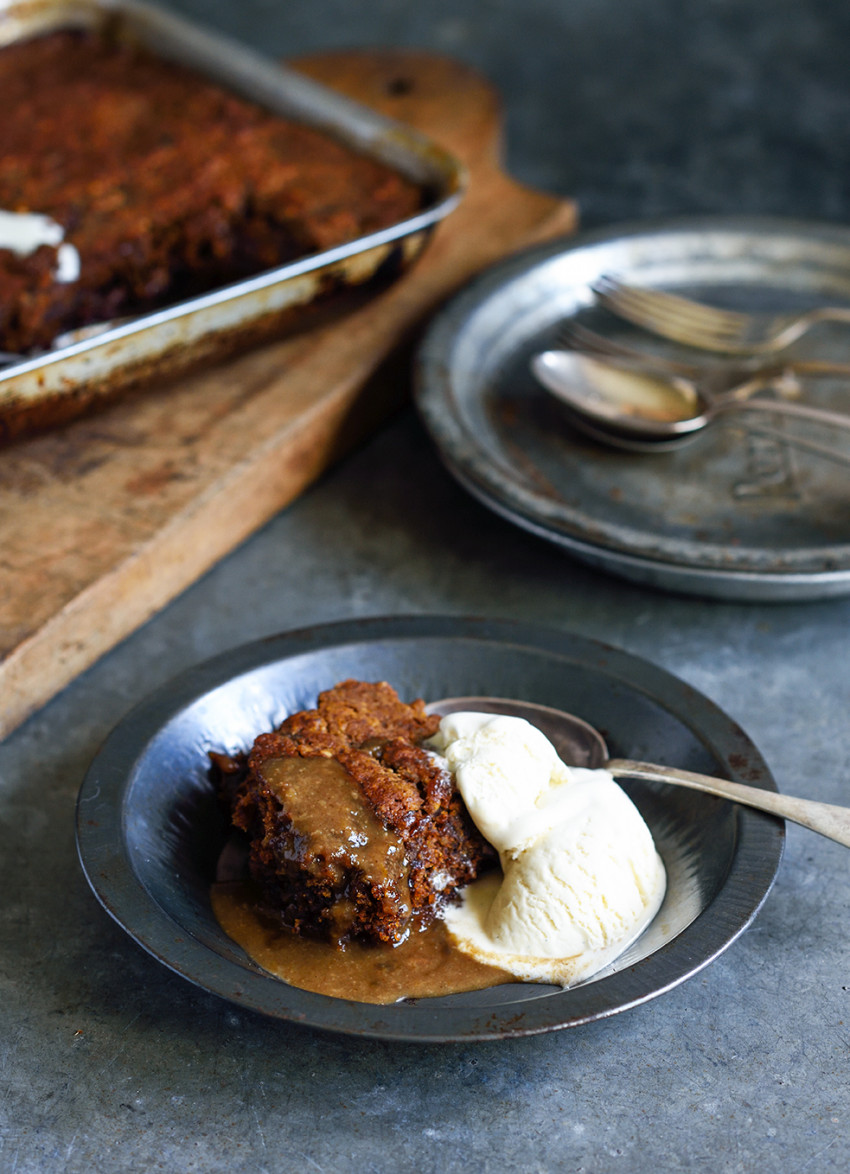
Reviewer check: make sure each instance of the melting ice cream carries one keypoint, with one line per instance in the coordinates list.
(581, 877)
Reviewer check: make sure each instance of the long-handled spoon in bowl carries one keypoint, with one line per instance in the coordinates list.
(579, 744)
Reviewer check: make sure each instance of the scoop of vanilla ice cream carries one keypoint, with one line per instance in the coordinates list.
(502, 766)
(581, 877)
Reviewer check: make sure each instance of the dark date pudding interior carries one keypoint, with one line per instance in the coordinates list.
(356, 841)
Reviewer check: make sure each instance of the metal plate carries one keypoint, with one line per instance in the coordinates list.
(180, 335)
(149, 831)
(734, 514)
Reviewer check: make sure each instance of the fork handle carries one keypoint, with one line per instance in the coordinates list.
(784, 408)
(829, 314)
(820, 450)
(797, 326)
(824, 818)
(804, 367)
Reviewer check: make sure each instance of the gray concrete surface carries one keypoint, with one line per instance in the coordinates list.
(109, 1062)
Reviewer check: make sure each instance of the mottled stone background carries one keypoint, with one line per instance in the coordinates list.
(108, 1062)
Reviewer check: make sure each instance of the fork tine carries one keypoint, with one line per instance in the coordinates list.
(652, 303)
(708, 327)
(573, 336)
(676, 327)
(665, 313)
(641, 311)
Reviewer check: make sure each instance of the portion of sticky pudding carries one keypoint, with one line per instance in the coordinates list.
(356, 833)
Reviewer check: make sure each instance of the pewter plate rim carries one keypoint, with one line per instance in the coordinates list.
(744, 586)
(698, 565)
(106, 807)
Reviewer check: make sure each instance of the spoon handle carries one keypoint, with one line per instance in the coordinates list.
(830, 821)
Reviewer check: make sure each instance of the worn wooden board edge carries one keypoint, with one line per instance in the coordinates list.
(499, 216)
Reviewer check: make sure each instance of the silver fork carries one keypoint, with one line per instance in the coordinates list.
(707, 327)
(572, 335)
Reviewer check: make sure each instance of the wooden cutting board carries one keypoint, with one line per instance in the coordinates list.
(105, 520)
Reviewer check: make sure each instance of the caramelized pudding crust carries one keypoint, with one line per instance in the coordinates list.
(355, 831)
(166, 184)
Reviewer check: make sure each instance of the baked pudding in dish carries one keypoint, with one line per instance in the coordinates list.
(129, 182)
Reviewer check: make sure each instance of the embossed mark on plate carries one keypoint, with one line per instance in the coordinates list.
(770, 469)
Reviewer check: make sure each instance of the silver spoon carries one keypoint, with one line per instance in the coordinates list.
(579, 744)
(630, 408)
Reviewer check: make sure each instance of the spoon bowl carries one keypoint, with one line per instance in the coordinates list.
(620, 404)
(621, 399)
(577, 743)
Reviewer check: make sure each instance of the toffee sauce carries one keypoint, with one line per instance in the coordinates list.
(426, 965)
(327, 808)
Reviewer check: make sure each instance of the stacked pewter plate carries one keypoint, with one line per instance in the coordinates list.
(738, 513)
